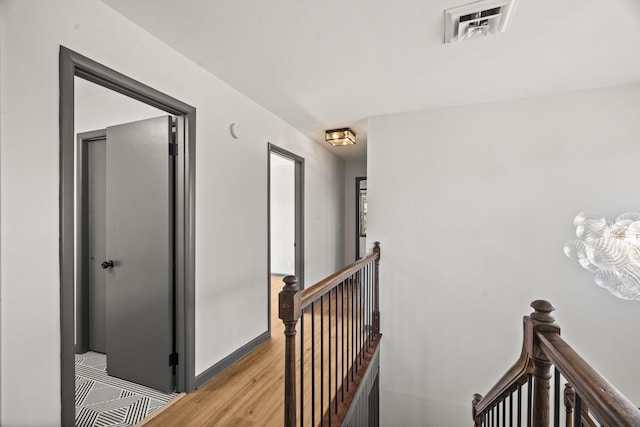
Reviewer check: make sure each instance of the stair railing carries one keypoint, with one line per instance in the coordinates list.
(338, 334)
(589, 399)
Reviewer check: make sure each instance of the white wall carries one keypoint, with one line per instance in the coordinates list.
(352, 170)
(1, 121)
(231, 193)
(282, 215)
(473, 210)
(102, 108)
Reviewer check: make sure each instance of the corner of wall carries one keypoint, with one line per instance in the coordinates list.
(2, 14)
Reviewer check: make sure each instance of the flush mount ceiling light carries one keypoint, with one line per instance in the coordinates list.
(477, 19)
(337, 137)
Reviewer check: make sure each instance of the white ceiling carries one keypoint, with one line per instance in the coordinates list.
(333, 63)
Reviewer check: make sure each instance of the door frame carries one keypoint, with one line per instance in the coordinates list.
(82, 239)
(73, 65)
(299, 218)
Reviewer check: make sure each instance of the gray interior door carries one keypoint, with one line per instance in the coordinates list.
(140, 244)
(96, 182)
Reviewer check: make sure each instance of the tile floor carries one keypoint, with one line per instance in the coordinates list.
(102, 400)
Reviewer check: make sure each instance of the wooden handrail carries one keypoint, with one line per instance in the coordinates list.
(292, 305)
(611, 406)
(542, 348)
(314, 292)
(530, 362)
(516, 375)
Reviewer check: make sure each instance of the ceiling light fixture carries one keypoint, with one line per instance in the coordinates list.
(611, 250)
(338, 137)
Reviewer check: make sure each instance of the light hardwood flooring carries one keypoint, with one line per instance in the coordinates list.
(251, 392)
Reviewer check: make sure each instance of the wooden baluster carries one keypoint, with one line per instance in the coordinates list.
(289, 312)
(477, 418)
(541, 377)
(540, 320)
(569, 394)
(376, 312)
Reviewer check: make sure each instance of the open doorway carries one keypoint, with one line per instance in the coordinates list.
(286, 220)
(177, 191)
(361, 217)
(283, 210)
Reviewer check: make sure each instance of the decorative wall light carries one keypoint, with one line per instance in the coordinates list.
(344, 136)
(610, 250)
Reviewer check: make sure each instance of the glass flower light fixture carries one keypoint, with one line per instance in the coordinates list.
(610, 250)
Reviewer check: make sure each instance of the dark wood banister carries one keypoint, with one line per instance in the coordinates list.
(516, 375)
(542, 348)
(292, 301)
(314, 292)
(611, 406)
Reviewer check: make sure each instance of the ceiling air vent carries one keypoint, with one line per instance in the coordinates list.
(477, 19)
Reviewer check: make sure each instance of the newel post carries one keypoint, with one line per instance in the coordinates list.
(289, 311)
(477, 420)
(540, 320)
(376, 309)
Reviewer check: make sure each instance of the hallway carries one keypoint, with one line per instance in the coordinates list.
(250, 393)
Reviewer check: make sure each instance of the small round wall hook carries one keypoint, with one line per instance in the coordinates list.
(235, 130)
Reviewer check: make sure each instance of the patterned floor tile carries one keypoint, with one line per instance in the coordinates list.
(103, 401)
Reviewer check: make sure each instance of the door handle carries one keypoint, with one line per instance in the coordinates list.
(107, 264)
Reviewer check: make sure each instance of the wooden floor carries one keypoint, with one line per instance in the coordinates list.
(250, 393)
